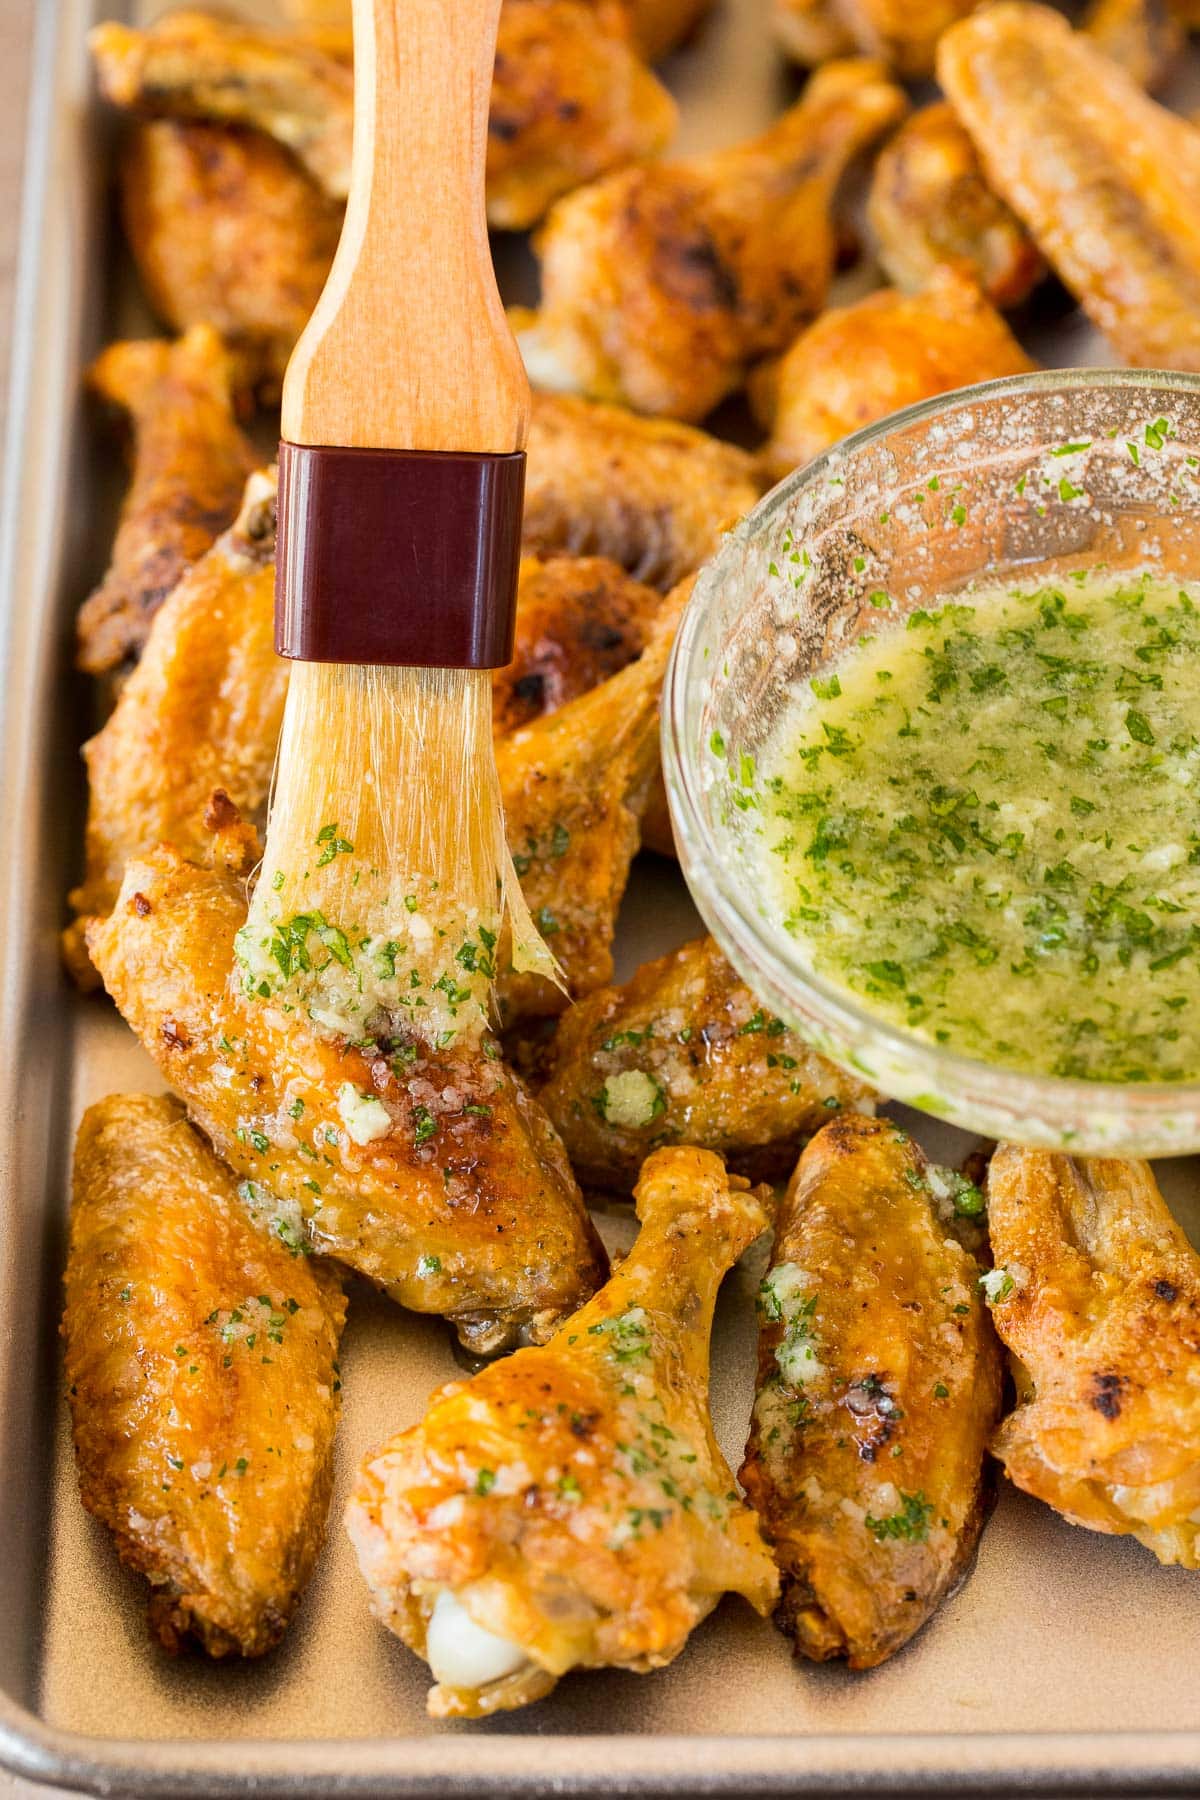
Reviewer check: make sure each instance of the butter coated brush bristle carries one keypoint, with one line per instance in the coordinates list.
(387, 894)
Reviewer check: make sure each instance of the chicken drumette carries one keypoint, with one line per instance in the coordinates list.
(201, 1366)
(684, 1054)
(569, 1507)
(878, 1387)
(189, 466)
(660, 286)
(857, 363)
(1096, 1292)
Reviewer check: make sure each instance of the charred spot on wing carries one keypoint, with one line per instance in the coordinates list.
(220, 812)
(139, 904)
(174, 1035)
(1106, 1394)
(1166, 1290)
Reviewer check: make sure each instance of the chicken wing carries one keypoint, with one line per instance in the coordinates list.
(569, 1507)
(657, 25)
(571, 98)
(574, 784)
(200, 714)
(904, 36)
(225, 227)
(189, 465)
(1107, 181)
(661, 285)
(930, 204)
(201, 1367)
(432, 1173)
(684, 1054)
(579, 621)
(878, 1387)
(653, 495)
(1096, 1292)
(858, 363)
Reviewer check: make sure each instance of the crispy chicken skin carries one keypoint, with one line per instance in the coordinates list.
(189, 465)
(661, 285)
(1097, 1295)
(571, 97)
(1107, 181)
(904, 35)
(930, 204)
(651, 494)
(858, 363)
(657, 25)
(684, 1054)
(571, 1502)
(574, 786)
(878, 1387)
(579, 621)
(200, 714)
(225, 227)
(464, 1203)
(201, 1367)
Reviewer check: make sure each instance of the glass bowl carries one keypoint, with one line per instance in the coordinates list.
(1030, 478)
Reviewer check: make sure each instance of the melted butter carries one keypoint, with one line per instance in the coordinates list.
(986, 824)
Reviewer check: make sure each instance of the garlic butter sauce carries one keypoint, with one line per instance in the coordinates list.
(985, 823)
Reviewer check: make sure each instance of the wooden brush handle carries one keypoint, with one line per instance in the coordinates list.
(408, 347)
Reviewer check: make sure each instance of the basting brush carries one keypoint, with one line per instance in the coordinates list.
(386, 880)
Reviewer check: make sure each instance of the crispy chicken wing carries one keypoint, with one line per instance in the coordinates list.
(904, 36)
(570, 96)
(569, 1507)
(225, 227)
(652, 494)
(201, 1366)
(189, 465)
(574, 785)
(878, 1387)
(200, 714)
(660, 285)
(434, 1174)
(579, 621)
(857, 363)
(930, 204)
(1107, 181)
(1096, 1292)
(684, 1054)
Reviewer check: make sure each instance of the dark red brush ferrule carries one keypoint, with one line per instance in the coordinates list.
(398, 556)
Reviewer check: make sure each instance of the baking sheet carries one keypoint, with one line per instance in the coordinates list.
(1057, 1632)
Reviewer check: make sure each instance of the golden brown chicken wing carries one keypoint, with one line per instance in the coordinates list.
(569, 1507)
(201, 713)
(571, 98)
(225, 227)
(930, 204)
(653, 495)
(201, 1367)
(432, 1173)
(878, 1387)
(660, 285)
(574, 785)
(904, 36)
(858, 363)
(1107, 181)
(1096, 1291)
(684, 1054)
(657, 25)
(580, 620)
(189, 465)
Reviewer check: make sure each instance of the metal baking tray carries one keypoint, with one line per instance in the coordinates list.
(1067, 1663)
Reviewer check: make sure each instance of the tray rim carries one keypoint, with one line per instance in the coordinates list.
(37, 450)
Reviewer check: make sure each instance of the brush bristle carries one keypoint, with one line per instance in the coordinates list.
(386, 879)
